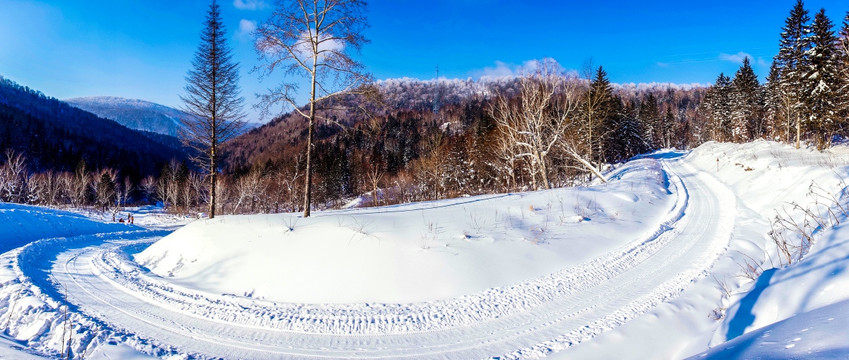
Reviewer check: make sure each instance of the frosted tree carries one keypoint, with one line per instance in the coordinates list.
(775, 120)
(13, 176)
(718, 101)
(212, 98)
(822, 81)
(792, 63)
(843, 77)
(650, 118)
(596, 111)
(313, 39)
(746, 117)
(536, 123)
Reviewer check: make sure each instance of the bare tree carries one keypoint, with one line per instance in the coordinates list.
(148, 186)
(314, 39)
(78, 185)
(13, 176)
(212, 98)
(538, 121)
(103, 185)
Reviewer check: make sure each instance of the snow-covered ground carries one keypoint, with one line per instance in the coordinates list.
(650, 265)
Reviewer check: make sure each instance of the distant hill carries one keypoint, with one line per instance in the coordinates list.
(55, 135)
(132, 113)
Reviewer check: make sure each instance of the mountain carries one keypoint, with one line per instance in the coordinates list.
(55, 135)
(132, 113)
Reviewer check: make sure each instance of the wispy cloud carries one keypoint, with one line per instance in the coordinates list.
(246, 28)
(503, 69)
(735, 58)
(249, 4)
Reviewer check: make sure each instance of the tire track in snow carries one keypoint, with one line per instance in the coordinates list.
(536, 316)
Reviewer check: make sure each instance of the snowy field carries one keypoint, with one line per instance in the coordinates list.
(664, 261)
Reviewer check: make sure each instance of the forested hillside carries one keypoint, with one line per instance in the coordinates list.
(56, 136)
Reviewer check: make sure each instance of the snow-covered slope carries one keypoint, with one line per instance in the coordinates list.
(662, 262)
(132, 113)
(416, 252)
(766, 177)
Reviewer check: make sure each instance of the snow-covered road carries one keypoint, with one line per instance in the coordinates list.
(525, 320)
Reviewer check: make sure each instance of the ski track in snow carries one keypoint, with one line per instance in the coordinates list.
(526, 320)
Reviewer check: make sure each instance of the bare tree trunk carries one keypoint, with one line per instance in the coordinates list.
(798, 132)
(213, 178)
(308, 180)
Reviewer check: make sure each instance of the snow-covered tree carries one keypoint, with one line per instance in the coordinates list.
(822, 81)
(13, 177)
(536, 123)
(649, 116)
(717, 108)
(843, 78)
(792, 62)
(746, 117)
(775, 120)
(595, 109)
(212, 97)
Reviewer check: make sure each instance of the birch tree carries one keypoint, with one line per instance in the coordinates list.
(313, 39)
(537, 121)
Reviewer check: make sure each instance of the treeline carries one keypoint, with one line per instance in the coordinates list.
(447, 142)
(805, 97)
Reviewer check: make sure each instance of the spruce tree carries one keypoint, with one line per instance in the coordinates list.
(599, 107)
(668, 128)
(842, 128)
(773, 116)
(746, 119)
(649, 118)
(792, 63)
(212, 98)
(719, 109)
(822, 81)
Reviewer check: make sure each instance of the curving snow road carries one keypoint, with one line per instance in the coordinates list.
(525, 320)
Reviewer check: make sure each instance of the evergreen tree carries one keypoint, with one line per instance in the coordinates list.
(599, 104)
(649, 118)
(668, 128)
(212, 98)
(792, 62)
(773, 116)
(718, 105)
(746, 119)
(822, 82)
(843, 79)
(627, 132)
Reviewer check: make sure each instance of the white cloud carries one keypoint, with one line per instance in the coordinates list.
(502, 69)
(735, 58)
(246, 27)
(249, 4)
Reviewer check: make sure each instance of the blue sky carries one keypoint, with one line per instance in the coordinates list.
(142, 49)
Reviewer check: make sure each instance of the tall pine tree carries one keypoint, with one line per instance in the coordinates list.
(822, 82)
(792, 64)
(746, 118)
(212, 98)
(650, 118)
(774, 118)
(843, 78)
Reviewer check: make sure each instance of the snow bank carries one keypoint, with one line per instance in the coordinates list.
(22, 224)
(415, 252)
(766, 177)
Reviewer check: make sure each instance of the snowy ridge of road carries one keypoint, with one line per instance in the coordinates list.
(536, 316)
(33, 301)
(667, 290)
(368, 319)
